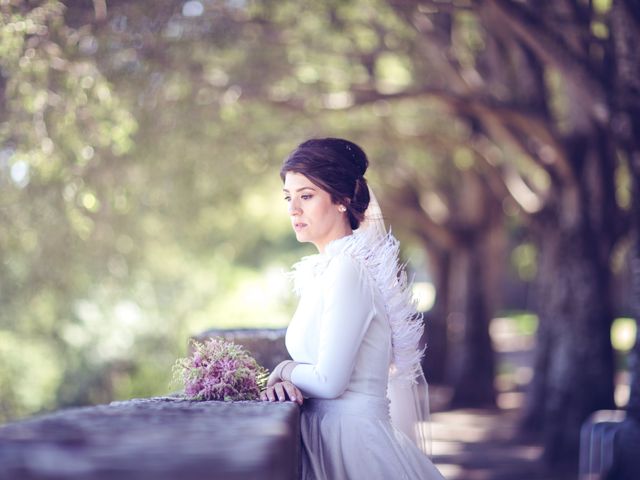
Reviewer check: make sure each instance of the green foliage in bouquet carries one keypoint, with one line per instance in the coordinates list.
(220, 370)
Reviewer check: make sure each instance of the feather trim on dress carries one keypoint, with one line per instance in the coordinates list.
(380, 256)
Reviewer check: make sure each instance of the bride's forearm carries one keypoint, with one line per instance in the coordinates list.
(282, 372)
(287, 369)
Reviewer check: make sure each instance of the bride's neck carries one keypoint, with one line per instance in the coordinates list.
(339, 233)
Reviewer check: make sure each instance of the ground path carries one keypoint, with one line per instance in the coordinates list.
(484, 445)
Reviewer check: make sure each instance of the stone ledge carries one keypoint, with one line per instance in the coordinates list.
(156, 438)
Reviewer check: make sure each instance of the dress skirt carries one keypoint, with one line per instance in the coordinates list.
(352, 438)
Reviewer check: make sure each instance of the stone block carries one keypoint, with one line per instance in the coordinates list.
(164, 438)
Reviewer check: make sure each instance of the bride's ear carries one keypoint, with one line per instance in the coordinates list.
(342, 206)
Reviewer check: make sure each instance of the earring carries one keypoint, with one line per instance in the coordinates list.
(342, 208)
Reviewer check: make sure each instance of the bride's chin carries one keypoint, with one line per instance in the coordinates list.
(301, 237)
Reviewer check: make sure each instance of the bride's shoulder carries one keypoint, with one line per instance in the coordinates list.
(372, 251)
(305, 272)
(344, 264)
(366, 254)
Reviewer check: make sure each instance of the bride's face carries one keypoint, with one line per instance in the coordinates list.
(314, 217)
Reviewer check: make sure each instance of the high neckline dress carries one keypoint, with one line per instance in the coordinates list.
(341, 335)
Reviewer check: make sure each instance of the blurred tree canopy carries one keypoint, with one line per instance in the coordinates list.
(140, 145)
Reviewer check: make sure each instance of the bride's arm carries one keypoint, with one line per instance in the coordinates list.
(282, 372)
(347, 313)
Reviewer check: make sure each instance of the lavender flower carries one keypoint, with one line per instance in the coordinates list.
(220, 370)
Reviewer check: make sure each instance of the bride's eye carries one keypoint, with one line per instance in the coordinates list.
(307, 197)
(287, 198)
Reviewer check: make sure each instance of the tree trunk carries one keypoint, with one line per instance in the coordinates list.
(466, 254)
(574, 358)
(473, 283)
(435, 359)
(626, 464)
(626, 127)
(625, 18)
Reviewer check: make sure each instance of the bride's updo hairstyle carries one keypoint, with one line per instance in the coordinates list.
(337, 166)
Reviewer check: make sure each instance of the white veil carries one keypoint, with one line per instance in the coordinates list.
(408, 394)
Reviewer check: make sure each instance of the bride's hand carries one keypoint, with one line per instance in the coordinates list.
(274, 377)
(282, 391)
(276, 374)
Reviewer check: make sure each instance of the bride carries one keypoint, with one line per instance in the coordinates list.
(354, 336)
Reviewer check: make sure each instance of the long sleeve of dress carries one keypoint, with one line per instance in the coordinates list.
(346, 315)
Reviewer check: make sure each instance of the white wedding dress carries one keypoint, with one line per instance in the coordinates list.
(341, 335)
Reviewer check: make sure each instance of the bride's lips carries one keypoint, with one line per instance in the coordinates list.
(297, 226)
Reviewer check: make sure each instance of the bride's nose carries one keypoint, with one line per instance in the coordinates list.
(294, 208)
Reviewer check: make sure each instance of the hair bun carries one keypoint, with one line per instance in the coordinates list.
(352, 151)
(360, 199)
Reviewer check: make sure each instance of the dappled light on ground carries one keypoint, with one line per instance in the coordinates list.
(483, 445)
(486, 444)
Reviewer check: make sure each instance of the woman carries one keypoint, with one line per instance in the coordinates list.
(354, 324)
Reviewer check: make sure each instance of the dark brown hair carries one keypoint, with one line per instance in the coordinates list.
(337, 166)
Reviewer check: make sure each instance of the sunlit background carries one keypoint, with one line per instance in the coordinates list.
(140, 198)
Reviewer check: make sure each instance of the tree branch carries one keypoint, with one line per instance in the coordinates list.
(506, 123)
(497, 179)
(553, 51)
(409, 199)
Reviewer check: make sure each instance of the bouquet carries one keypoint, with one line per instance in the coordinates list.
(220, 370)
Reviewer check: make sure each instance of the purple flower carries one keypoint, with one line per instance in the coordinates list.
(220, 370)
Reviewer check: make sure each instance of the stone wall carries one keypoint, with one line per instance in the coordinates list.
(265, 345)
(164, 438)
